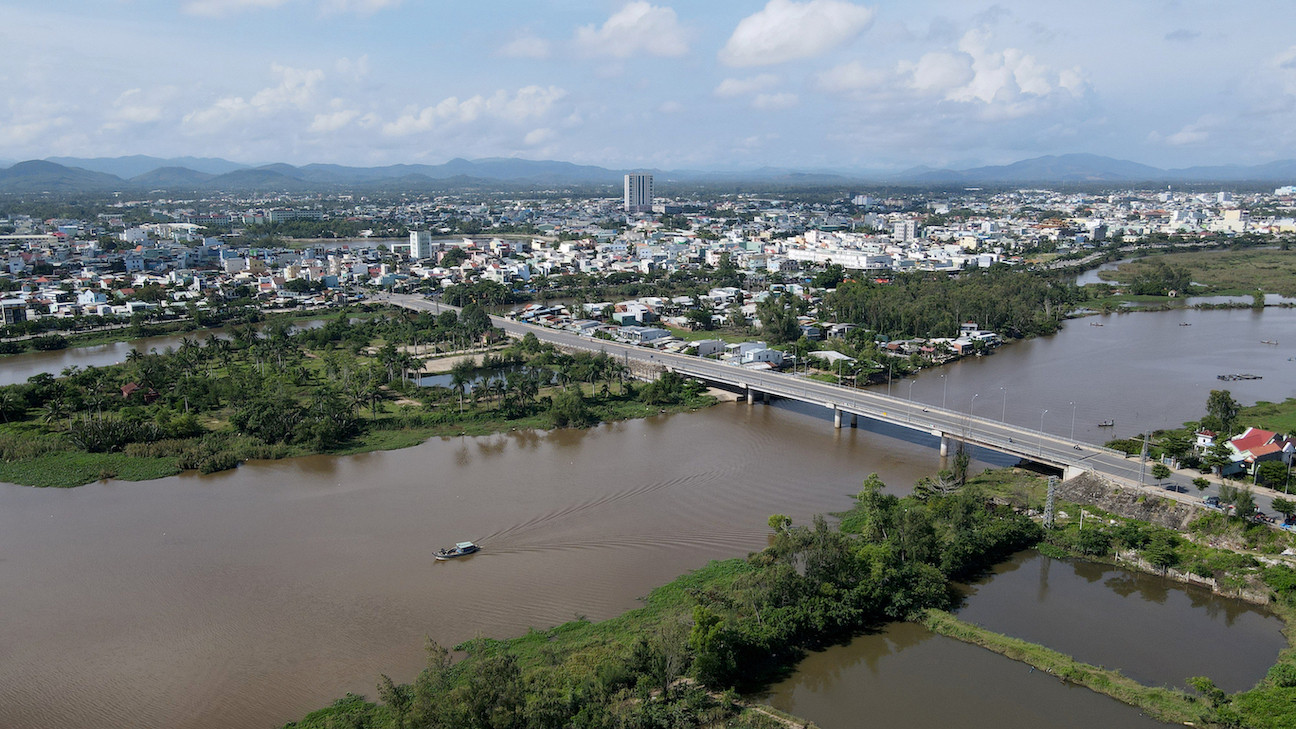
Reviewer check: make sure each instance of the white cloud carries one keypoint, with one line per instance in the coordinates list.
(786, 31)
(670, 107)
(538, 136)
(1194, 133)
(637, 28)
(939, 72)
(332, 121)
(742, 86)
(214, 8)
(296, 90)
(525, 46)
(1285, 65)
(769, 102)
(221, 8)
(131, 108)
(853, 76)
(528, 102)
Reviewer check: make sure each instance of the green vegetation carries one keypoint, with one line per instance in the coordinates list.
(733, 623)
(1271, 270)
(1160, 703)
(343, 388)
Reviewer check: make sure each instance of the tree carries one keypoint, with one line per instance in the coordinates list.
(1271, 473)
(1200, 483)
(1284, 506)
(1160, 472)
(1244, 505)
(1222, 406)
(1162, 551)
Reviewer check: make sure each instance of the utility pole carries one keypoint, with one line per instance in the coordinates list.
(1049, 501)
(1143, 461)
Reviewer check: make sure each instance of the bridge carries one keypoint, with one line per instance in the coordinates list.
(848, 404)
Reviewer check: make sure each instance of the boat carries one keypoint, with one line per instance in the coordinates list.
(1094, 324)
(459, 550)
(1185, 324)
(1107, 424)
(1268, 341)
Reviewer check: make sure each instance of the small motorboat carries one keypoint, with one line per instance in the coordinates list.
(459, 550)
(1107, 424)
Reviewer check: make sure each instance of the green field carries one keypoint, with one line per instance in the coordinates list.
(1223, 271)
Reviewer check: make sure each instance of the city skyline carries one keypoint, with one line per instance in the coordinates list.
(810, 85)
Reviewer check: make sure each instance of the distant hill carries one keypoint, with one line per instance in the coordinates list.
(138, 164)
(174, 178)
(501, 173)
(1080, 168)
(42, 176)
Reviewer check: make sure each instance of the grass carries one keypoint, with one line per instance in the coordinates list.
(1269, 269)
(731, 336)
(1279, 417)
(64, 469)
(1161, 703)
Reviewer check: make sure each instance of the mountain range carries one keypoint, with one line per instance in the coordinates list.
(199, 174)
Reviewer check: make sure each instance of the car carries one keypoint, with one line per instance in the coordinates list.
(1212, 501)
(1177, 488)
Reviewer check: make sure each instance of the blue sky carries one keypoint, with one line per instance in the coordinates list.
(720, 84)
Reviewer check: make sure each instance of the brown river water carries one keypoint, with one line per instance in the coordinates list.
(248, 598)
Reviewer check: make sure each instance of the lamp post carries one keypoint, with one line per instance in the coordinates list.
(944, 389)
(889, 366)
(911, 384)
(1073, 411)
(1041, 432)
(1003, 417)
(971, 407)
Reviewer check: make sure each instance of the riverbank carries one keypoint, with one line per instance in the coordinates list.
(736, 623)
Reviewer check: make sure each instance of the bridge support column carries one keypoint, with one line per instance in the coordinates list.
(837, 418)
(765, 397)
(1071, 472)
(751, 396)
(854, 420)
(944, 445)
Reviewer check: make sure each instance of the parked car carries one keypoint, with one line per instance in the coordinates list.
(1177, 488)
(1213, 502)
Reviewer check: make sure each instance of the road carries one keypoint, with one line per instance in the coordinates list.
(1031, 444)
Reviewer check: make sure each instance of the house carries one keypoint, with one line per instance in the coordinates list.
(643, 335)
(1255, 445)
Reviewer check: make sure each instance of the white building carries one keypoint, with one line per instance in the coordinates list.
(421, 247)
(638, 193)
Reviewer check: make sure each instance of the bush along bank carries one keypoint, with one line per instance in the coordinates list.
(731, 625)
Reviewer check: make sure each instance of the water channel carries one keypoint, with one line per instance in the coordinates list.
(247, 598)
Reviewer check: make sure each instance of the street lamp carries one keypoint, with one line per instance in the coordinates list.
(1073, 411)
(911, 384)
(972, 404)
(890, 364)
(1041, 432)
(1003, 417)
(944, 389)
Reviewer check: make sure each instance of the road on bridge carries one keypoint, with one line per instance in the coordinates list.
(1030, 444)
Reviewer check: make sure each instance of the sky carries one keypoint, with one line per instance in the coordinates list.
(704, 85)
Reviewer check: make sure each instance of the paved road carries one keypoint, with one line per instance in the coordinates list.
(1024, 442)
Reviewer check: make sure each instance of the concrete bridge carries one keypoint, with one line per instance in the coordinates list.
(949, 426)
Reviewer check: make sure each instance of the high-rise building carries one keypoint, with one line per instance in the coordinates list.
(420, 244)
(638, 193)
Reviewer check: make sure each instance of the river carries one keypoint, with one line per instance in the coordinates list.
(247, 598)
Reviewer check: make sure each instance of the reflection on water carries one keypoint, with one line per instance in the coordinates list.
(1153, 630)
(250, 597)
(906, 676)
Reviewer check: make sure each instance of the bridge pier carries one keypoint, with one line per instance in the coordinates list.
(765, 397)
(944, 445)
(751, 395)
(837, 418)
(854, 420)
